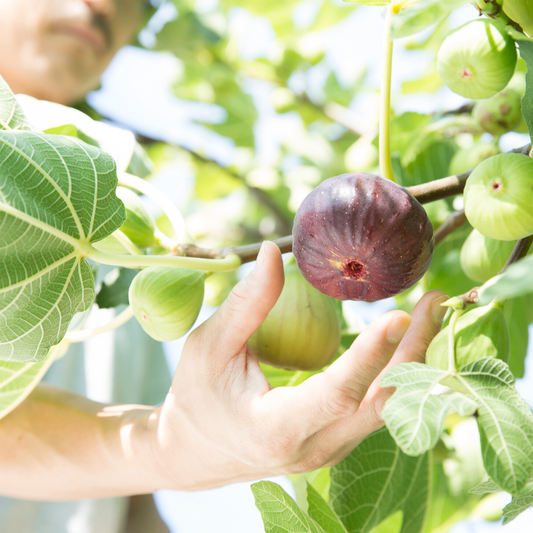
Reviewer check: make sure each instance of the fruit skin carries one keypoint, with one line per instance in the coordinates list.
(139, 226)
(478, 59)
(520, 11)
(498, 197)
(166, 301)
(482, 257)
(499, 114)
(362, 237)
(482, 332)
(302, 331)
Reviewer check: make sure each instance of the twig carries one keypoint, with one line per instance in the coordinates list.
(519, 251)
(455, 220)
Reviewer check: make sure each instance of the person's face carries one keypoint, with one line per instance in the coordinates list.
(57, 49)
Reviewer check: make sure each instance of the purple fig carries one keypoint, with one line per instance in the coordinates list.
(362, 237)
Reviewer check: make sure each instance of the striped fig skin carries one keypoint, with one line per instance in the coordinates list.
(362, 237)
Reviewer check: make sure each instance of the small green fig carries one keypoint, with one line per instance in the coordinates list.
(521, 12)
(478, 59)
(482, 257)
(482, 332)
(469, 158)
(499, 114)
(498, 197)
(139, 226)
(167, 300)
(302, 331)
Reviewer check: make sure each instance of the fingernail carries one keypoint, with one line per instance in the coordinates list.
(260, 257)
(437, 310)
(398, 328)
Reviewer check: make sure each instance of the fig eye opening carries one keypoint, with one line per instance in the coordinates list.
(353, 269)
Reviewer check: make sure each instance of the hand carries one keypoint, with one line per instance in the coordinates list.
(222, 422)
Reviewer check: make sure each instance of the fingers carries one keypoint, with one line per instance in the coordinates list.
(337, 392)
(246, 307)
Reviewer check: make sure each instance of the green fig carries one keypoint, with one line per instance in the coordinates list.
(482, 332)
(469, 158)
(302, 331)
(499, 114)
(482, 257)
(167, 300)
(478, 59)
(521, 12)
(139, 226)
(498, 197)
(110, 245)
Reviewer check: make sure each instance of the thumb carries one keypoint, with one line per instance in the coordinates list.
(248, 304)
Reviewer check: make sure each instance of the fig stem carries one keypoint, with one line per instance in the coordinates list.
(385, 163)
(160, 198)
(126, 243)
(84, 334)
(229, 262)
(451, 339)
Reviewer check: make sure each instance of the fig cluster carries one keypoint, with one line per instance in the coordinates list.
(362, 237)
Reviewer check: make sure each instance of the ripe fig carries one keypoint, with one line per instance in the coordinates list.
(499, 114)
(166, 300)
(482, 257)
(482, 332)
(498, 197)
(362, 237)
(139, 226)
(478, 59)
(302, 331)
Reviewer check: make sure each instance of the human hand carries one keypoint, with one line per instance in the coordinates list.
(222, 422)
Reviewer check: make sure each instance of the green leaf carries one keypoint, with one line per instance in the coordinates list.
(505, 423)
(419, 16)
(376, 481)
(322, 513)
(518, 313)
(485, 487)
(56, 197)
(11, 115)
(414, 416)
(370, 2)
(515, 281)
(518, 505)
(114, 291)
(280, 512)
(526, 52)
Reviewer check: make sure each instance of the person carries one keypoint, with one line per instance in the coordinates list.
(220, 422)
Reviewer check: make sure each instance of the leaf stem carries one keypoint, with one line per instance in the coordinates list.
(385, 164)
(451, 340)
(126, 243)
(230, 262)
(168, 207)
(84, 334)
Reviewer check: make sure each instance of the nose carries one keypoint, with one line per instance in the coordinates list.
(105, 8)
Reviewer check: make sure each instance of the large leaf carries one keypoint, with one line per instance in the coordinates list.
(419, 16)
(414, 414)
(280, 512)
(505, 423)
(519, 504)
(322, 513)
(518, 315)
(11, 115)
(56, 196)
(376, 481)
(526, 52)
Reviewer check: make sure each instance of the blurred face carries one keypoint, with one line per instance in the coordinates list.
(57, 49)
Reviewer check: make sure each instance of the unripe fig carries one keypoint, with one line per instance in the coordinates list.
(520, 11)
(482, 257)
(166, 300)
(362, 237)
(498, 197)
(478, 59)
(110, 245)
(139, 226)
(499, 114)
(482, 332)
(469, 158)
(302, 331)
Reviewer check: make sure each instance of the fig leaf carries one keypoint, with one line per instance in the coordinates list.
(518, 504)
(526, 53)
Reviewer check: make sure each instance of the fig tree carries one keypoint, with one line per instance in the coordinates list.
(499, 114)
(302, 331)
(482, 257)
(478, 59)
(166, 300)
(362, 237)
(482, 332)
(498, 197)
(139, 226)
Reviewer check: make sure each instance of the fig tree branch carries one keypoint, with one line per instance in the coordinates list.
(519, 251)
(455, 220)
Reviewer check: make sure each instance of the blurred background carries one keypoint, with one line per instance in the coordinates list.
(244, 107)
